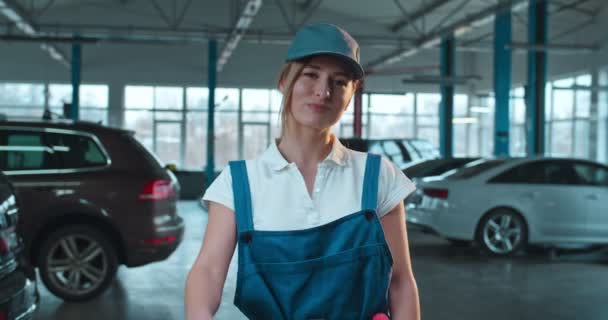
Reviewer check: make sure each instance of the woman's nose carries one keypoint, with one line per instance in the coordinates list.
(323, 89)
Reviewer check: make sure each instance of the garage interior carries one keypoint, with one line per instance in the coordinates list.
(196, 82)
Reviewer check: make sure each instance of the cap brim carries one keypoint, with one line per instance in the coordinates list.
(354, 65)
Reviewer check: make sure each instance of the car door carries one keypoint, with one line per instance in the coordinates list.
(31, 166)
(594, 193)
(543, 189)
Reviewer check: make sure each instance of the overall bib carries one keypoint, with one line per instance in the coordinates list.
(339, 270)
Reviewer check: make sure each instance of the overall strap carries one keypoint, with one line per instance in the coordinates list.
(369, 197)
(242, 196)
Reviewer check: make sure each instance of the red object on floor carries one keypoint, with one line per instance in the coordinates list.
(380, 316)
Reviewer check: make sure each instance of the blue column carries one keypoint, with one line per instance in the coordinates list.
(211, 83)
(502, 82)
(76, 66)
(446, 110)
(537, 75)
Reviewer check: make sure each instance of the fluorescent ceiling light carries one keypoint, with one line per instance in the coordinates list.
(480, 109)
(461, 120)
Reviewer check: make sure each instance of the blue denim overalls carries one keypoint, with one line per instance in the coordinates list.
(340, 270)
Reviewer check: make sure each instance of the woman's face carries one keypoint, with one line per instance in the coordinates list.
(321, 93)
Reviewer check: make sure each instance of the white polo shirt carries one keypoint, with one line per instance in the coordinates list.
(280, 200)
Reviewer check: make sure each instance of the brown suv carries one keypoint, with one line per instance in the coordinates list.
(92, 198)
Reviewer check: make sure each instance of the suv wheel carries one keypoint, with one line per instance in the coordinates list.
(77, 263)
(502, 232)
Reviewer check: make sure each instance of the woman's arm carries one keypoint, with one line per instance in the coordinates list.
(404, 301)
(206, 278)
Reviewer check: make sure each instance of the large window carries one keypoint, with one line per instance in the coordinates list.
(602, 112)
(569, 117)
(22, 99)
(427, 116)
(517, 117)
(390, 116)
(93, 100)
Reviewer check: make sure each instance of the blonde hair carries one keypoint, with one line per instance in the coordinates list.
(287, 77)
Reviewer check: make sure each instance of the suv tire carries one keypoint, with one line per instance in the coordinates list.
(77, 263)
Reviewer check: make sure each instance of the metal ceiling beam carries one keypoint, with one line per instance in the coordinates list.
(17, 15)
(457, 28)
(414, 16)
(250, 10)
(61, 33)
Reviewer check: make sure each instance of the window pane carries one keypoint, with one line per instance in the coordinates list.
(196, 140)
(582, 137)
(257, 140)
(197, 98)
(168, 137)
(428, 103)
(21, 94)
(392, 103)
(93, 95)
(59, 94)
(517, 141)
(225, 138)
(583, 103)
(94, 115)
(139, 97)
(76, 151)
(256, 99)
(226, 99)
(391, 126)
(564, 83)
(562, 107)
(584, 80)
(167, 115)
(168, 98)
(518, 106)
(460, 104)
(561, 138)
(276, 98)
(25, 151)
(141, 123)
(460, 139)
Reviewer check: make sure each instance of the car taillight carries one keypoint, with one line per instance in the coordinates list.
(3, 246)
(436, 193)
(157, 190)
(163, 240)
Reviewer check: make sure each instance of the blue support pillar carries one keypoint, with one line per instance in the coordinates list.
(502, 82)
(537, 76)
(211, 83)
(76, 68)
(446, 111)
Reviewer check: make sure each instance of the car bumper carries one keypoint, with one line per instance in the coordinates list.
(441, 222)
(19, 295)
(144, 252)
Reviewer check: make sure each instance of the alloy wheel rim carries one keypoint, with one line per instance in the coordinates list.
(502, 233)
(77, 264)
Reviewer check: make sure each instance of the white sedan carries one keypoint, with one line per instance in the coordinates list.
(504, 204)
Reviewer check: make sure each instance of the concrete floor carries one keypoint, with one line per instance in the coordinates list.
(454, 283)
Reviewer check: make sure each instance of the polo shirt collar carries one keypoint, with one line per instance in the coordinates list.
(275, 159)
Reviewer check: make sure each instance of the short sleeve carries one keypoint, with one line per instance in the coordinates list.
(220, 190)
(393, 187)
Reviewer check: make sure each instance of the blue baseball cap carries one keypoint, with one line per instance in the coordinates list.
(325, 38)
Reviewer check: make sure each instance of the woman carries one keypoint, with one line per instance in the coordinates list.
(320, 228)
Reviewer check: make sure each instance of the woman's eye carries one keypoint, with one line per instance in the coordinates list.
(341, 83)
(311, 75)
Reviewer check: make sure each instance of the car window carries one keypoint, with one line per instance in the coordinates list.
(392, 149)
(76, 151)
(24, 150)
(540, 172)
(592, 174)
(425, 149)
